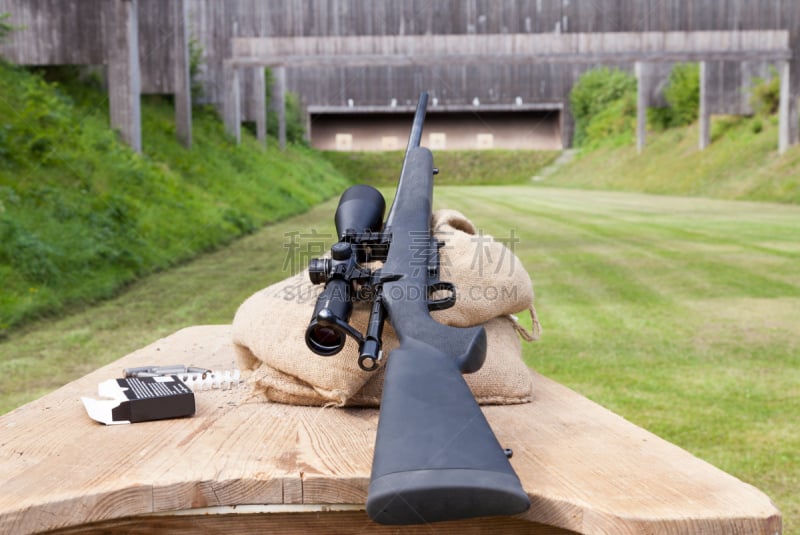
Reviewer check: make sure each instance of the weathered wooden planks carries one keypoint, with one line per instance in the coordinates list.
(585, 469)
(724, 48)
(73, 32)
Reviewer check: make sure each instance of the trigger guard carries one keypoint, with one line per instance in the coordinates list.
(444, 302)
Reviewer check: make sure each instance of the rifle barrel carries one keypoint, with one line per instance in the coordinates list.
(416, 127)
(414, 140)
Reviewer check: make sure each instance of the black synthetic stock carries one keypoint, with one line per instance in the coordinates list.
(436, 458)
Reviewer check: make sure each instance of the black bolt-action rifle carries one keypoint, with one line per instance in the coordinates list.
(436, 458)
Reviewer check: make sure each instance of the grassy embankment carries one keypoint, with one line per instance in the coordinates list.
(742, 164)
(455, 167)
(82, 215)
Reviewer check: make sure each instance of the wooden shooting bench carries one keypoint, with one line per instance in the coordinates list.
(242, 464)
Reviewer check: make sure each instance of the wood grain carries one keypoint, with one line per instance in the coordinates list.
(585, 469)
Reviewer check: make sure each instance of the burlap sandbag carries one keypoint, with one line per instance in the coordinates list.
(489, 278)
(269, 337)
(502, 380)
(269, 329)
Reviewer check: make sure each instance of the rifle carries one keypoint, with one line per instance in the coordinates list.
(436, 458)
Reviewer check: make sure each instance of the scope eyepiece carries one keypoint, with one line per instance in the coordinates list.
(319, 270)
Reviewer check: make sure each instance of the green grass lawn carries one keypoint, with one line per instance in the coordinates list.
(681, 314)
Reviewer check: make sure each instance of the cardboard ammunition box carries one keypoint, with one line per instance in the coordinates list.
(140, 399)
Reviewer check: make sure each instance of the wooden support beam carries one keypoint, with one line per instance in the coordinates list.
(497, 49)
(231, 106)
(794, 119)
(259, 104)
(567, 126)
(279, 103)
(183, 81)
(705, 108)
(124, 83)
(784, 111)
(642, 91)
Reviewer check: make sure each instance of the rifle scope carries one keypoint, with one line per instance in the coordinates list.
(360, 211)
(359, 219)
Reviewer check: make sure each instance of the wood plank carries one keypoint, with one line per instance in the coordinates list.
(72, 32)
(231, 105)
(259, 104)
(585, 469)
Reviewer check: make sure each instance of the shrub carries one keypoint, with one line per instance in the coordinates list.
(5, 27)
(295, 121)
(683, 93)
(596, 92)
(683, 96)
(765, 94)
(615, 124)
(196, 60)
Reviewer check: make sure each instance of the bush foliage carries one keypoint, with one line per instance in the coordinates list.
(683, 96)
(603, 103)
(765, 95)
(5, 27)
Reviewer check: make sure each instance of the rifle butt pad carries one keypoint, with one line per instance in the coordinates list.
(424, 496)
(436, 458)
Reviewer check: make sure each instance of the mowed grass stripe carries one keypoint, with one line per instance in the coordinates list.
(679, 313)
(685, 250)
